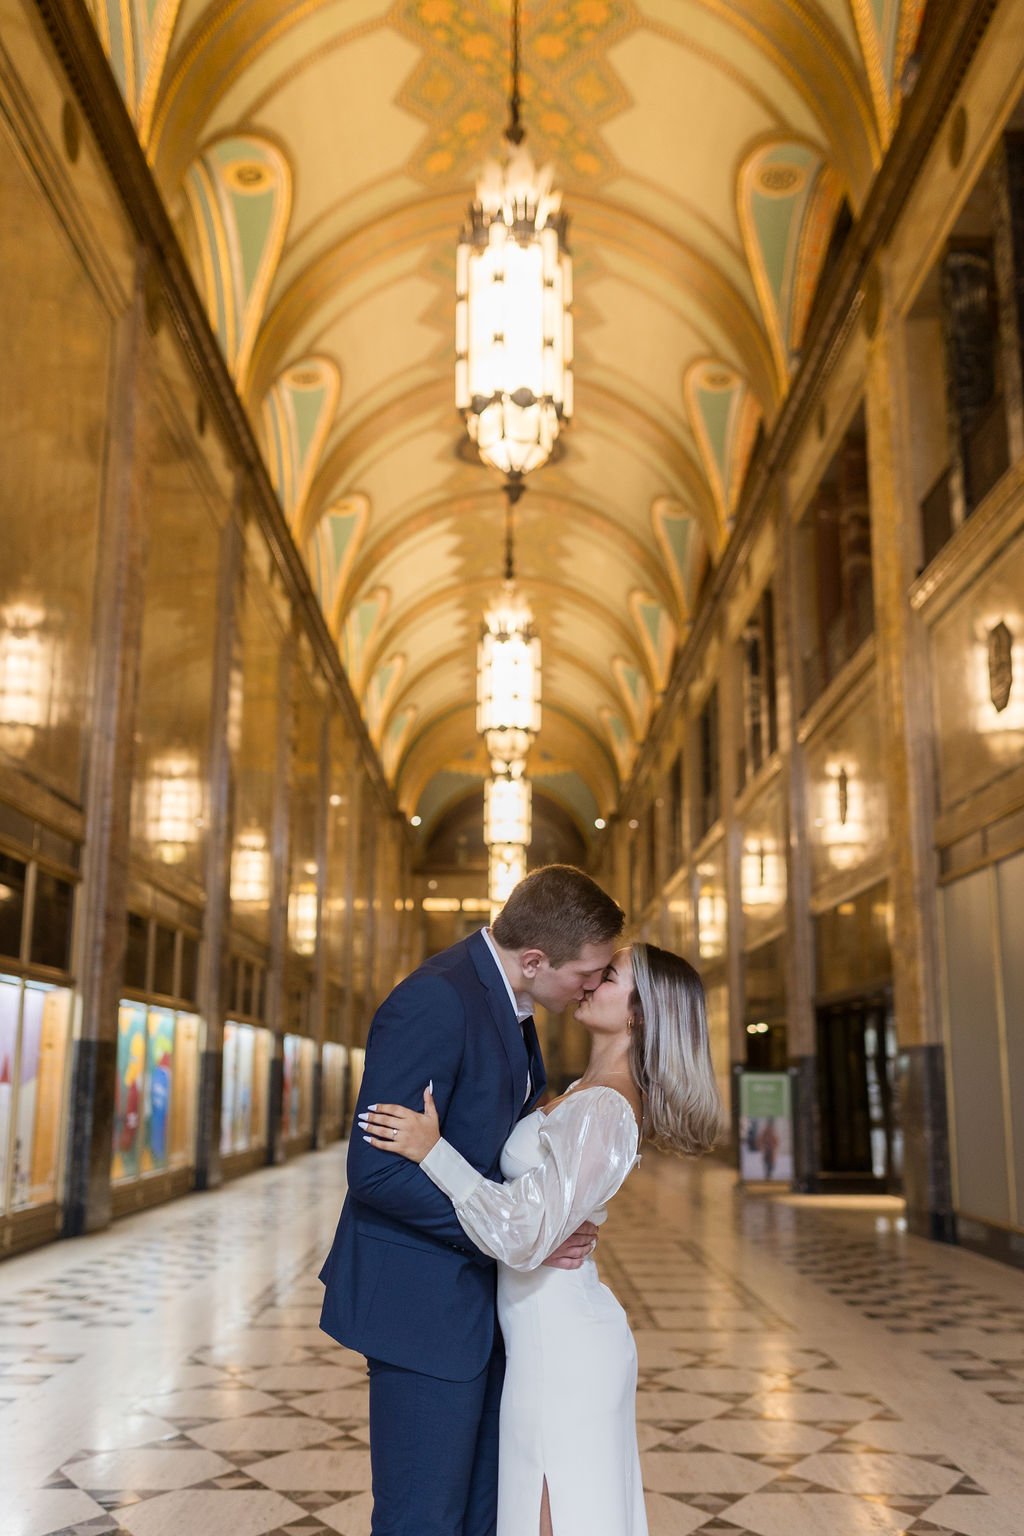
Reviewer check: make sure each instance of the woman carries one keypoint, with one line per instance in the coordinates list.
(569, 1464)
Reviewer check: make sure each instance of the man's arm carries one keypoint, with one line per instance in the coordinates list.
(417, 1036)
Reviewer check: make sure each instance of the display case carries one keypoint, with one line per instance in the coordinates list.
(297, 1094)
(245, 1085)
(35, 1025)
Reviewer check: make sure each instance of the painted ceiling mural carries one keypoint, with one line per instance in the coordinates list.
(317, 161)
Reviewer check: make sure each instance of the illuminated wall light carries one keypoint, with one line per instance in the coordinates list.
(600, 823)
(174, 803)
(415, 821)
(441, 904)
(250, 869)
(302, 919)
(843, 819)
(475, 904)
(998, 683)
(762, 875)
(29, 680)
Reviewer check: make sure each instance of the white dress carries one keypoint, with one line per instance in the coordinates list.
(568, 1409)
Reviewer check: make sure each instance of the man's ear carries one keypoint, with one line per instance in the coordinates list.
(530, 961)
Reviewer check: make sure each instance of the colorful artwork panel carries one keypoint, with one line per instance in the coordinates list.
(129, 1087)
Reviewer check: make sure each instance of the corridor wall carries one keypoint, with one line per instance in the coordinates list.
(203, 873)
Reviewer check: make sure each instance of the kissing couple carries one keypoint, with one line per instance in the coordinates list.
(502, 1372)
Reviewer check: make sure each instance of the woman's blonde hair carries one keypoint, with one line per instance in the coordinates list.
(670, 1052)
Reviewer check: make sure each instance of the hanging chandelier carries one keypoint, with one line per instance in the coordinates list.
(508, 806)
(506, 867)
(513, 321)
(508, 673)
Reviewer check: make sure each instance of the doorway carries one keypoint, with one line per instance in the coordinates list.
(861, 1142)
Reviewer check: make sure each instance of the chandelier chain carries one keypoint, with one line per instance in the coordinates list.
(515, 133)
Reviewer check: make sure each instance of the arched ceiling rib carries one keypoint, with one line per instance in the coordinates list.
(317, 160)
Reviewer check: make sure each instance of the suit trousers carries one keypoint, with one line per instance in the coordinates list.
(434, 1450)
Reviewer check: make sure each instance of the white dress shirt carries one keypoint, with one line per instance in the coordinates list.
(522, 1012)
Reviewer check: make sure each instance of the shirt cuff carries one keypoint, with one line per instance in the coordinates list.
(451, 1173)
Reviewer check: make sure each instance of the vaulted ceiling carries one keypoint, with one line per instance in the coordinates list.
(317, 159)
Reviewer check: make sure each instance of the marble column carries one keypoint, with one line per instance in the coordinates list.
(281, 859)
(215, 975)
(119, 600)
(907, 726)
(318, 1002)
(798, 943)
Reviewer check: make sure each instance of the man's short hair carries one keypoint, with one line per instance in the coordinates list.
(557, 909)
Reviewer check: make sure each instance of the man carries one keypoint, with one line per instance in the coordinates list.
(404, 1284)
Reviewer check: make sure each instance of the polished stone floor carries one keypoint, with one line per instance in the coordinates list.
(807, 1369)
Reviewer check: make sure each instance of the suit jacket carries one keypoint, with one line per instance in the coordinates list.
(403, 1281)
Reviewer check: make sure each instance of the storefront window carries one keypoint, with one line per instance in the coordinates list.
(243, 1123)
(34, 1024)
(297, 1099)
(335, 1063)
(154, 1108)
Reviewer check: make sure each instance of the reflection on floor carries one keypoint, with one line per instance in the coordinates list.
(806, 1367)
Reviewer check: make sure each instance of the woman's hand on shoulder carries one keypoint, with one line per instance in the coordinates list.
(393, 1128)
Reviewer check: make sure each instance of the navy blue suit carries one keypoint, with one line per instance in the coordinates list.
(404, 1284)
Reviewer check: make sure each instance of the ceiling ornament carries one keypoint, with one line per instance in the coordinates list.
(296, 418)
(888, 31)
(359, 631)
(331, 550)
(238, 194)
(136, 36)
(636, 694)
(394, 740)
(683, 549)
(788, 198)
(658, 635)
(380, 694)
(459, 86)
(621, 741)
(513, 318)
(725, 416)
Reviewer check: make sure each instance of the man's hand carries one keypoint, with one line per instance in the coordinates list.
(575, 1249)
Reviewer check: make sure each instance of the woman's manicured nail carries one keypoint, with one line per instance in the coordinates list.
(368, 1138)
(371, 1106)
(430, 1086)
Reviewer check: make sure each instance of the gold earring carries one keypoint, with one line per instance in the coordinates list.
(629, 1023)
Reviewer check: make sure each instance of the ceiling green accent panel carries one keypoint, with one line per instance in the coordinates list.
(788, 200)
(296, 417)
(238, 193)
(724, 415)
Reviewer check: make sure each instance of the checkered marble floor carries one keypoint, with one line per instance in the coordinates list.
(806, 1367)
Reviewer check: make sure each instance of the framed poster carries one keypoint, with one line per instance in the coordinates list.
(766, 1128)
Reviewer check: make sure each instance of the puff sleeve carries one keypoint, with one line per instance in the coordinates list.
(590, 1143)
